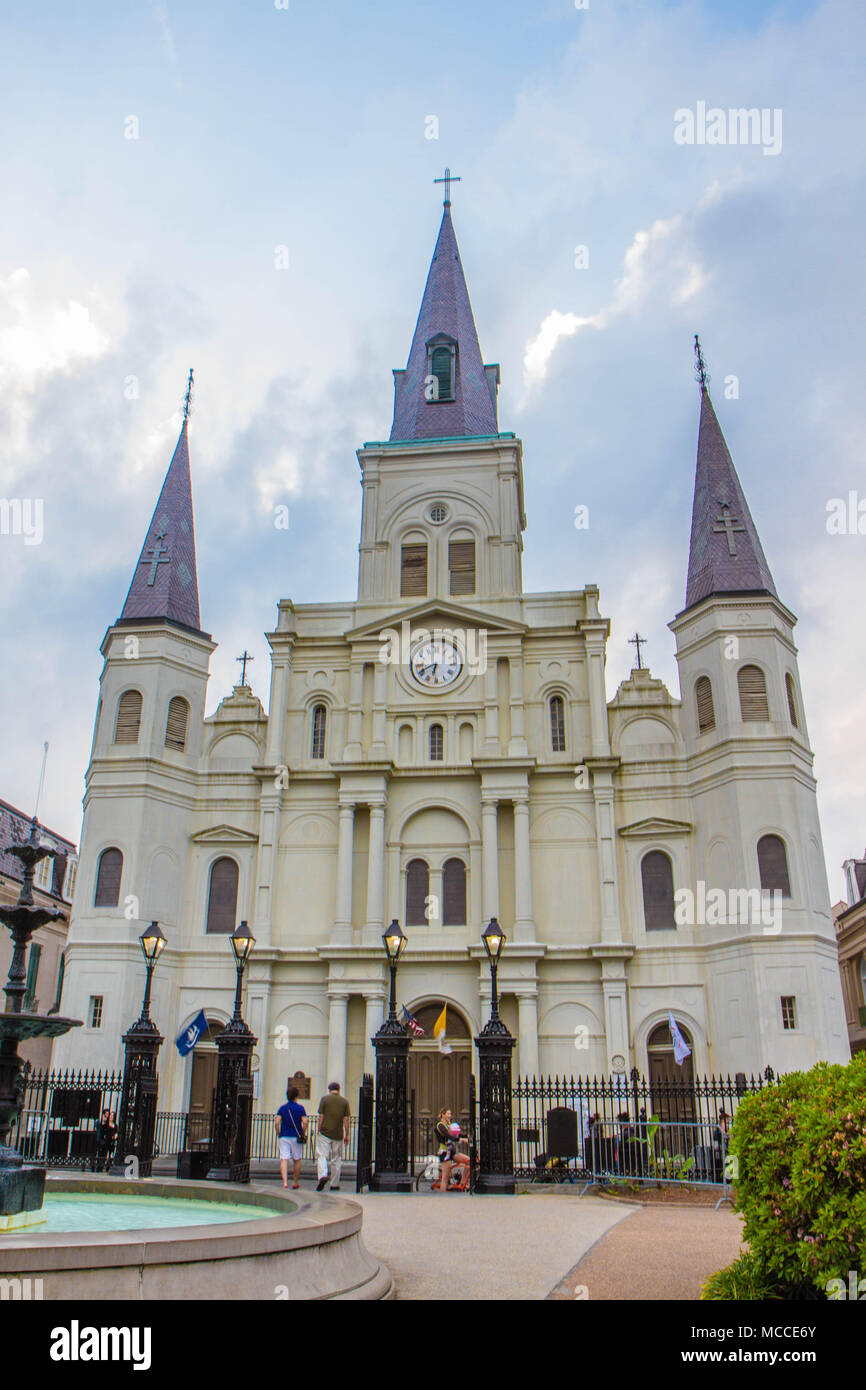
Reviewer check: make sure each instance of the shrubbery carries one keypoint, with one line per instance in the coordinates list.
(800, 1148)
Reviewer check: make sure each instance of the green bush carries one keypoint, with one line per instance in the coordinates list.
(742, 1279)
(800, 1148)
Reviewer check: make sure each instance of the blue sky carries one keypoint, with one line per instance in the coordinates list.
(307, 128)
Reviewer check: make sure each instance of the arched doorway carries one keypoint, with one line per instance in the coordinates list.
(439, 1079)
(671, 1085)
(203, 1072)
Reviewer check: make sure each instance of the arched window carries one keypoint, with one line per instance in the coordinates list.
(320, 725)
(222, 901)
(753, 694)
(413, 570)
(175, 725)
(454, 893)
(461, 565)
(417, 892)
(792, 700)
(557, 723)
(657, 878)
(128, 723)
(773, 865)
(704, 702)
(108, 873)
(442, 368)
(437, 743)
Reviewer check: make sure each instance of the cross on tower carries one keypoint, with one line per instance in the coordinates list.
(243, 659)
(158, 556)
(448, 180)
(701, 373)
(636, 643)
(724, 523)
(187, 405)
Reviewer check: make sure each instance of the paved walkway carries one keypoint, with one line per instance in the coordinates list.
(462, 1247)
(546, 1245)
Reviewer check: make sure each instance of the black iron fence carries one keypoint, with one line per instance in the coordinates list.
(599, 1125)
(179, 1132)
(59, 1121)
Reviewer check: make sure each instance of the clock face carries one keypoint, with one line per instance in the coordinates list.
(436, 664)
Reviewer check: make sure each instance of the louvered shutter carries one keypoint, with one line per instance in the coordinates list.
(108, 877)
(440, 367)
(128, 717)
(753, 694)
(461, 563)
(454, 907)
(557, 724)
(792, 703)
(175, 728)
(413, 571)
(773, 865)
(32, 975)
(706, 710)
(417, 891)
(658, 891)
(223, 897)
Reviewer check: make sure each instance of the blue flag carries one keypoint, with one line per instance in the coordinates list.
(190, 1036)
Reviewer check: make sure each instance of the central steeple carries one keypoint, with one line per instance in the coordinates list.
(445, 391)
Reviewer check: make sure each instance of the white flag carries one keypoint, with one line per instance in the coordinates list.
(681, 1047)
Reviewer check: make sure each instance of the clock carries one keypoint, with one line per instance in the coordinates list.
(435, 664)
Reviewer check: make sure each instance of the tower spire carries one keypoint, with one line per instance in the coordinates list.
(445, 391)
(725, 555)
(164, 583)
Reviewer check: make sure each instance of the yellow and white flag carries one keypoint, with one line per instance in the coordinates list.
(439, 1031)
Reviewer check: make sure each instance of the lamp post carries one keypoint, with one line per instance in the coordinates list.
(140, 1083)
(231, 1121)
(392, 1043)
(495, 1046)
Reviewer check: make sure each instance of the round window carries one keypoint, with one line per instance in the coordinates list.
(438, 513)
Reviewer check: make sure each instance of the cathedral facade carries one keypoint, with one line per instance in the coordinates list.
(442, 751)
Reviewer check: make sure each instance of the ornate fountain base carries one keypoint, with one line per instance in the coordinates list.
(22, 1185)
(22, 1188)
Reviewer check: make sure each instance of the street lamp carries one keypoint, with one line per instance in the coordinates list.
(138, 1100)
(392, 1043)
(495, 1046)
(233, 1097)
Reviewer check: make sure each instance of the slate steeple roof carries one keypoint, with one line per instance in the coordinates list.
(725, 555)
(164, 584)
(446, 313)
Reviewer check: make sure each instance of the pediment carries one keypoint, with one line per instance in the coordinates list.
(224, 835)
(655, 826)
(436, 613)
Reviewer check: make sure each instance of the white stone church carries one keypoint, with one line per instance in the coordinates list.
(441, 750)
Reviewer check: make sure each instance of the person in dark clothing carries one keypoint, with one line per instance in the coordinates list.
(106, 1139)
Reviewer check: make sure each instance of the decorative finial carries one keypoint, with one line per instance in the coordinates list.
(701, 373)
(448, 180)
(636, 643)
(187, 405)
(244, 658)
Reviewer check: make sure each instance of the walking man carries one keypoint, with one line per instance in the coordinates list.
(333, 1133)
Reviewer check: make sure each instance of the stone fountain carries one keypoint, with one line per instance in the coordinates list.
(22, 1185)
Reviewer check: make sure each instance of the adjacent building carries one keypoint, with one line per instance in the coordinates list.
(850, 919)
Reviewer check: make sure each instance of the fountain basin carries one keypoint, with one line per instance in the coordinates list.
(300, 1248)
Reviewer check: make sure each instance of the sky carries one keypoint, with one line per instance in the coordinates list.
(246, 187)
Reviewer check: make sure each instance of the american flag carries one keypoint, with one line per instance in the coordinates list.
(411, 1023)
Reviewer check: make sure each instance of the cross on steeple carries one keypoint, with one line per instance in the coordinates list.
(159, 555)
(187, 405)
(636, 643)
(729, 526)
(448, 180)
(243, 659)
(701, 373)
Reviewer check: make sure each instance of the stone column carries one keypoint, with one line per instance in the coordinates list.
(277, 706)
(352, 751)
(489, 858)
(342, 933)
(527, 1032)
(338, 1010)
(524, 924)
(375, 924)
(375, 1017)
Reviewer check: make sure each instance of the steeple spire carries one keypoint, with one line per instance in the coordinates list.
(725, 555)
(445, 391)
(164, 584)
